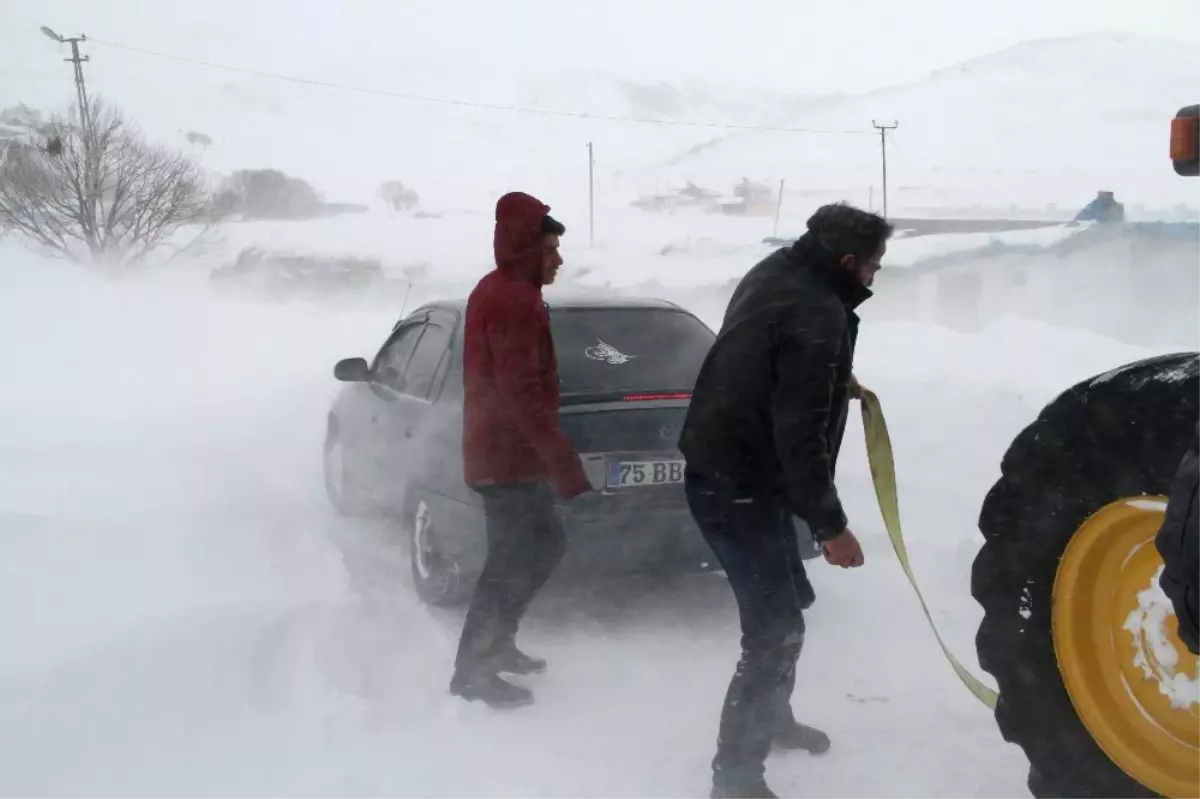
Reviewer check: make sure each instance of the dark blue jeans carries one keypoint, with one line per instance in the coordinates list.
(755, 542)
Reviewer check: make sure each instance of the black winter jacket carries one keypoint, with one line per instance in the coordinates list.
(1178, 542)
(769, 407)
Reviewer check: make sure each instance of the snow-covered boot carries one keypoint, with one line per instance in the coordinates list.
(490, 689)
(514, 661)
(751, 790)
(794, 735)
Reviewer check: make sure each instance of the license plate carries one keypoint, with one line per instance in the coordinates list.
(624, 474)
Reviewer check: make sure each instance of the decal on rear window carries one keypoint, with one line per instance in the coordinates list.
(588, 362)
(607, 353)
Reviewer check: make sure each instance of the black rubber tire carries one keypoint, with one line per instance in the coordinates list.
(445, 585)
(1119, 435)
(349, 499)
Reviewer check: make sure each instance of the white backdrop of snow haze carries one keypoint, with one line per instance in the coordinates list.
(181, 611)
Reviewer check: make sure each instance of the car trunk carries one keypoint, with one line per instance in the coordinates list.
(624, 426)
(629, 446)
(626, 376)
(638, 513)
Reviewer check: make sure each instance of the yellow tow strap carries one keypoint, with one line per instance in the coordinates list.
(883, 474)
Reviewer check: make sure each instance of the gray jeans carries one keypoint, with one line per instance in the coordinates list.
(525, 543)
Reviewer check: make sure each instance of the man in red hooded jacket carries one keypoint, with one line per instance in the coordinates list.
(515, 452)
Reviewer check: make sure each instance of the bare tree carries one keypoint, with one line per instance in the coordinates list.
(100, 191)
(267, 194)
(18, 120)
(398, 196)
(198, 138)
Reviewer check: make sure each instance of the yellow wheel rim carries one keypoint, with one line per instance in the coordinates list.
(1132, 681)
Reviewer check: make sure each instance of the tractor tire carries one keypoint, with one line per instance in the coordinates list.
(1115, 437)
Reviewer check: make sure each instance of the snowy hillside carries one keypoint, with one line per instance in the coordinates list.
(403, 116)
(1049, 122)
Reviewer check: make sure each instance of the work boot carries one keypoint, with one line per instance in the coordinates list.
(491, 689)
(751, 790)
(794, 735)
(514, 661)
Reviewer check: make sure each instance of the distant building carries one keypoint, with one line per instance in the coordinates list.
(690, 196)
(753, 199)
(1103, 209)
(698, 196)
(752, 192)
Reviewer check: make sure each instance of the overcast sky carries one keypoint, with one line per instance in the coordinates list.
(799, 45)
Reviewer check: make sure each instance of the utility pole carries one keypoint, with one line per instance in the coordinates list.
(591, 197)
(883, 129)
(77, 60)
(90, 168)
(778, 208)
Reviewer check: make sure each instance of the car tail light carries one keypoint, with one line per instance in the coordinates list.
(678, 395)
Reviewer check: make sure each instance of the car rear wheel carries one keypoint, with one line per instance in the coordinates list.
(437, 576)
(342, 484)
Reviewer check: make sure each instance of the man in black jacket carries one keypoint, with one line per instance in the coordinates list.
(761, 440)
(1178, 543)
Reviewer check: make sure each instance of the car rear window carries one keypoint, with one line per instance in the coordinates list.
(628, 349)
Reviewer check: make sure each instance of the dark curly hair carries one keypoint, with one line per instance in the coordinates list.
(845, 230)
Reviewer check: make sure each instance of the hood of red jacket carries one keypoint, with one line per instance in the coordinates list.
(517, 241)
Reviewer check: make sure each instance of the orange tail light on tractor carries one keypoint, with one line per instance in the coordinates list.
(1185, 141)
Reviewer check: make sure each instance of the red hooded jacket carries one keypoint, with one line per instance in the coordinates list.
(511, 428)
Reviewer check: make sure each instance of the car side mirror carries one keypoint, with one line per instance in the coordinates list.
(352, 370)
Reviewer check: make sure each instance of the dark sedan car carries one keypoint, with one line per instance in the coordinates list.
(626, 370)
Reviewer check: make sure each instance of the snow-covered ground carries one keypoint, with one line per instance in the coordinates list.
(182, 613)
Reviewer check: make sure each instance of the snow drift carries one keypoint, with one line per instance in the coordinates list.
(183, 614)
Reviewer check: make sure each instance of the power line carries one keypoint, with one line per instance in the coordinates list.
(477, 105)
(904, 158)
(464, 103)
(25, 21)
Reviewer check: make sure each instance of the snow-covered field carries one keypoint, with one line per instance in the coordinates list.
(182, 612)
